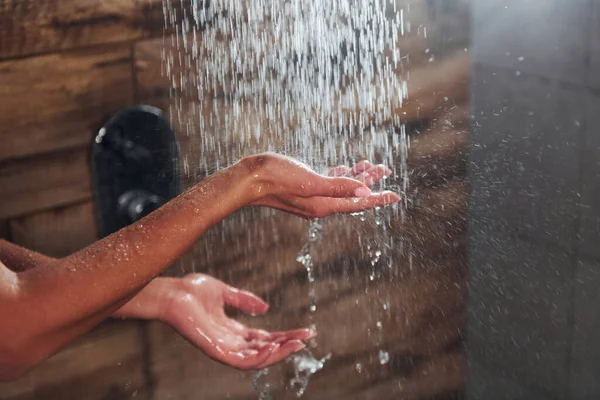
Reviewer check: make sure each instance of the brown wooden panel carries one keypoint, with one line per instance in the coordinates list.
(152, 84)
(40, 26)
(4, 229)
(107, 363)
(58, 101)
(44, 182)
(58, 232)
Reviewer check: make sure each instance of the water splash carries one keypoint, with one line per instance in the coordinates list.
(261, 385)
(305, 365)
(304, 257)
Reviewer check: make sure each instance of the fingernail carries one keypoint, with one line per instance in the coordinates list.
(299, 346)
(362, 192)
(392, 197)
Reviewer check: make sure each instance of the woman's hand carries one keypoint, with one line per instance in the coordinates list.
(194, 306)
(286, 184)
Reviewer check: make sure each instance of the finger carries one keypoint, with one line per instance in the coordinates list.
(340, 170)
(340, 187)
(282, 352)
(375, 200)
(279, 337)
(321, 207)
(245, 301)
(258, 334)
(296, 334)
(373, 174)
(250, 359)
(360, 166)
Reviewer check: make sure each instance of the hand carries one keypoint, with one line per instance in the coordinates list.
(194, 306)
(286, 184)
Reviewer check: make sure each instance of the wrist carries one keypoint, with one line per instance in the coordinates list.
(250, 172)
(152, 302)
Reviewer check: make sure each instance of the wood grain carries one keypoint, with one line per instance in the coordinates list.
(31, 27)
(45, 182)
(59, 101)
(57, 232)
(107, 363)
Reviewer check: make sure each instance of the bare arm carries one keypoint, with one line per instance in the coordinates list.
(18, 259)
(44, 308)
(64, 298)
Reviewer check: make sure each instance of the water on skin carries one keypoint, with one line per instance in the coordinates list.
(312, 79)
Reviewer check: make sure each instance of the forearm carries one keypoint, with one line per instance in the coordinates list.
(18, 259)
(64, 298)
(152, 301)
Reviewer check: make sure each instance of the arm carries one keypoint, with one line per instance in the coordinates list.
(44, 308)
(18, 259)
(64, 298)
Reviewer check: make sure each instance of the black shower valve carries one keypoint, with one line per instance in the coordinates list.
(136, 167)
(136, 204)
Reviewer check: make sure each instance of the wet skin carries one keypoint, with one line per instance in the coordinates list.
(45, 303)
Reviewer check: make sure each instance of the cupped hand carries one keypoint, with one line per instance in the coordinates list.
(286, 184)
(194, 306)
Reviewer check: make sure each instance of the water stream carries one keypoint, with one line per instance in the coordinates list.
(318, 80)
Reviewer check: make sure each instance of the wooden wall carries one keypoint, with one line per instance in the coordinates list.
(65, 66)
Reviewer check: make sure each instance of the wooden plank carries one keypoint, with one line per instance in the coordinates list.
(41, 26)
(44, 182)
(107, 363)
(152, 83)
(58, 232)
(58, 101)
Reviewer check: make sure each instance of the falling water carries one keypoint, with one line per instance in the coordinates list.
(313, 79)
(317, 80)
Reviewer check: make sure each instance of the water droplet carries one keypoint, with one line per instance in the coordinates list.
(314, 231)
(384, 357)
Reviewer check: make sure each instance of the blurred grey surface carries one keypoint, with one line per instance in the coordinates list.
(534, 209)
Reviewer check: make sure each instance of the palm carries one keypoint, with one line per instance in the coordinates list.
(293, 187)
(198, 314)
